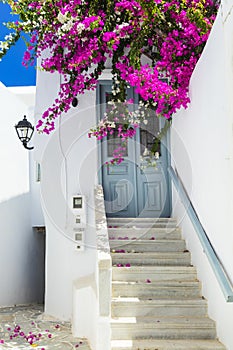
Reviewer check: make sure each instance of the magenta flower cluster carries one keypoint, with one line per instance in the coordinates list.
(75, 38)
(119, 123)
(31, 338)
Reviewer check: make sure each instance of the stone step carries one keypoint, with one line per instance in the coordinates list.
(135, 307)
(141, 219)
(156, 297)
(157, 290)
(161, 344)
(141, 222)
(150, 274)
(144, 233)
(148, 245)
(130, 328)
(151, 258)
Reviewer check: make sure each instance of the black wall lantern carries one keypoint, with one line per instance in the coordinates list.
(24, 131)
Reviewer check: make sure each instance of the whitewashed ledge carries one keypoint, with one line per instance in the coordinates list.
(104, 273)
(101, 222)
(103, 252)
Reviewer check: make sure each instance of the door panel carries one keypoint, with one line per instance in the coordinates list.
(119, 181)
(153, 194)
(130, 189)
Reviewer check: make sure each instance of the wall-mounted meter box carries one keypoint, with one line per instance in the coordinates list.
(79, 238)
(79, 210)
(78, 202)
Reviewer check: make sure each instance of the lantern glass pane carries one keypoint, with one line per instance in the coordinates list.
(23, 133)
(30, 132)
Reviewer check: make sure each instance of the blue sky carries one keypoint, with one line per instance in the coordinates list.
(12, 72)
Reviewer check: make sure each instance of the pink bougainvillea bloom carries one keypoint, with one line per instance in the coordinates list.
(130, 101)
(27, 56)
(39, 124)
(80, 43)
(148, 281)
(33, 39)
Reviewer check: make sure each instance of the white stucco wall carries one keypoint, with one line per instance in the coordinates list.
(202, 146)
(68, 167)
(20, 256)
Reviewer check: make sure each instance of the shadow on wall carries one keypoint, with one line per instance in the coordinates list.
(22, 254)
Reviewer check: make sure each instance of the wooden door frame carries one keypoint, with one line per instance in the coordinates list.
(99, 144)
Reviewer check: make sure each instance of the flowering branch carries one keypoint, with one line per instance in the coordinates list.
(79, 35)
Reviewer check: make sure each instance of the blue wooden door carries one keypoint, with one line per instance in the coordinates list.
(134, 188)
(153, 190)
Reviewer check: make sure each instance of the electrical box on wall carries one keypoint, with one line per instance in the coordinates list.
(79, 210)
(79, 238)
(79, 220)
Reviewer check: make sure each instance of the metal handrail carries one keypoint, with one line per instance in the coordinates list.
(218, 269)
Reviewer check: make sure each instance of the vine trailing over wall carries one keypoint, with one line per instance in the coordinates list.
(76, 37)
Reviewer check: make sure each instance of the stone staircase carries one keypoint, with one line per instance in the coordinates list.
(156, 297)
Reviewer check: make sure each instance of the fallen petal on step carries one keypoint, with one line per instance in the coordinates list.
(127, 265)
(148, 281)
